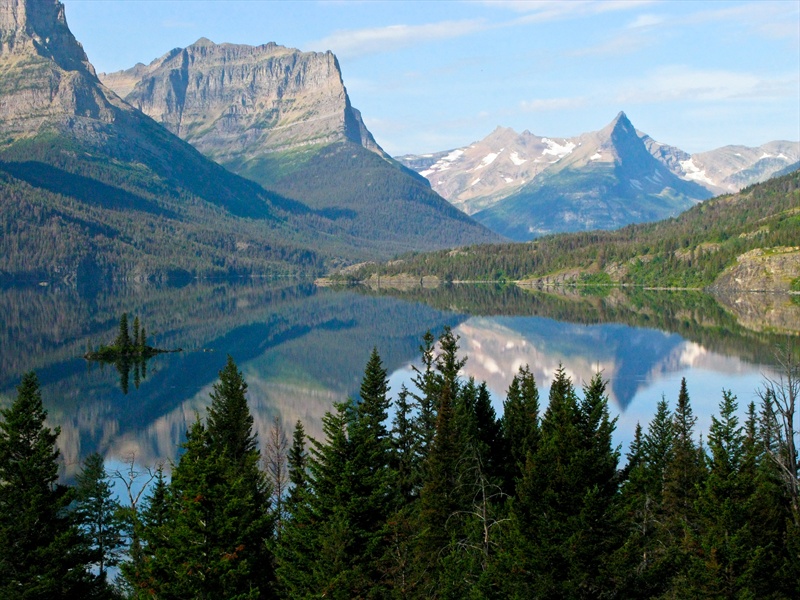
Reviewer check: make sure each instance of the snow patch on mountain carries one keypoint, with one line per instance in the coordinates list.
(694, 173)
(596, 156)
(489, 159)
(556, 149)
(516, 159)
(443, 163)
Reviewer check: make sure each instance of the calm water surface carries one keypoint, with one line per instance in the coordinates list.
(302, 348)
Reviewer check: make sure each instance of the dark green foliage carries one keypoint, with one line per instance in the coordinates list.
(564, 529)
(213, 540)
(229, 423)
(98, 514)
(338, 526)
(690, 250)
(42, 553)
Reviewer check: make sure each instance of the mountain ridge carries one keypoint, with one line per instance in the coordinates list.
(724, 170)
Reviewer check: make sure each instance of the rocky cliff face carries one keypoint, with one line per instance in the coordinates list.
(46, 77)
(237, 102)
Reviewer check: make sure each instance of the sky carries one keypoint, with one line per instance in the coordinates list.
(430, 76)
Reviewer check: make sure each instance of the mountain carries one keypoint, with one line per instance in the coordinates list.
(603, 180)
(283, 118)
(477, 176)
(731, 168)
(90, 187)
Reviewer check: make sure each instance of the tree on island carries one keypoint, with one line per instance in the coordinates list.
(127, 352)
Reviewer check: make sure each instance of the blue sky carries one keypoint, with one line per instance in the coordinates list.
(432, 76)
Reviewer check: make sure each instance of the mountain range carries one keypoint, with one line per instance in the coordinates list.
(524, 186)
(91, 187)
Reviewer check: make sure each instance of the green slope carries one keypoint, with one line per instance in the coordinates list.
(389, 208)
(691, 250)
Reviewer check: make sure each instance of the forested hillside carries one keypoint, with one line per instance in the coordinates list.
(690, 250)
(446, 500)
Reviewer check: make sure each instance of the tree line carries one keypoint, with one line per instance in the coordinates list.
(432, 495)
(689, 250)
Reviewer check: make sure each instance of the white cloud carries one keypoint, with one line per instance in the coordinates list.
(686, 83)
(360, 42)
(645, 21)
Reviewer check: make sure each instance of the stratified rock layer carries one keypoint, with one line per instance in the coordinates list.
(235, 102)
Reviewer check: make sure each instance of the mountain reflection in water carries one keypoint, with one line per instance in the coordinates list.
(302, 348)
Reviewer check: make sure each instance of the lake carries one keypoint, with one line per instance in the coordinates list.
(302, 348)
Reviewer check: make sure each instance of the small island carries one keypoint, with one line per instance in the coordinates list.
(127, 352)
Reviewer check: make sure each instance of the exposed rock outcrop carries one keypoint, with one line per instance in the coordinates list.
(234, 102)
(46, 77)
(762, 270)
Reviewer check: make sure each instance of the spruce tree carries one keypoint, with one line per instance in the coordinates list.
(42, 554)
(230, 424)
(722, 550)
(98, 514)
(215, 539)
(123, 341)
(520, 424)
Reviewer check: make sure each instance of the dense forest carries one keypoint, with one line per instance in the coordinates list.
(432, 495)
(689, 250)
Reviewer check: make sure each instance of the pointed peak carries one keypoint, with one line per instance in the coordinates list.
(204, 41)
(621, 125)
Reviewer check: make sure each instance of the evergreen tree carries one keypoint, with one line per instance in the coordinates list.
(405, 444)
(520, 423)
(123, 341)
(98, 514)
(426, 384)
(722, 553)
(297, 545)
(215, 539)
(42, 554)
(137, 339)
(230, 424)
(563, 517)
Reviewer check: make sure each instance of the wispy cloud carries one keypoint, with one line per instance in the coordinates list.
(360, 42)
(646, 22)
(769, 19)
(538, 11)
(677, 82)
(620, 45)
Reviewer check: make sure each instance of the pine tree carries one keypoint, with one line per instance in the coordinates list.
(722, 550)
(42, 554)
(520, 424)
(564, 530)
(123, 341)
(405, 456)
(230, 424)
(137, 339)
(98, 514)
(215, 539)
